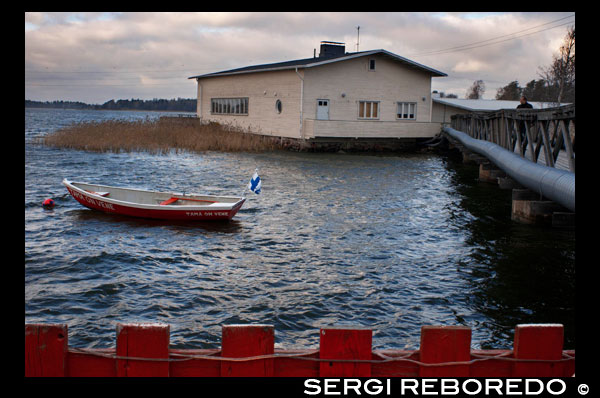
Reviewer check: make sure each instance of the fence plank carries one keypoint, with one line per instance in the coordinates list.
(45, 350)
(142, 340)
(337, 343)
(195, 367)
(47, 354)
(239, 341)
(541, 341)
(86, 365)
(445, 344)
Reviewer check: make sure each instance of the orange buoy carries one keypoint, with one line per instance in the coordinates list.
(48, 203)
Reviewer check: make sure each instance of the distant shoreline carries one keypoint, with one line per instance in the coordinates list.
(156, 105)
(104, 110)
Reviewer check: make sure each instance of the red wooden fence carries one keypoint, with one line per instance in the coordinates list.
(248, 350)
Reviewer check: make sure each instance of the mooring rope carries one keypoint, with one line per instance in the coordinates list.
(305, 356)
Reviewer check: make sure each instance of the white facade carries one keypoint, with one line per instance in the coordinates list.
(373, 94)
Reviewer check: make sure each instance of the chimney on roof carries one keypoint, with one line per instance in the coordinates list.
(331, 49)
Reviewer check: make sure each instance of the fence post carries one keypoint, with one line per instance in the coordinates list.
(538, 341)
(142, 340)
(441, 344)
(45, 350)
(337, 343)
(238, 341)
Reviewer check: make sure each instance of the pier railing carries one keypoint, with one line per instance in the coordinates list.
(249, 350)
(544, 135)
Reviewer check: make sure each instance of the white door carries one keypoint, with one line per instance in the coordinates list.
(322, 109)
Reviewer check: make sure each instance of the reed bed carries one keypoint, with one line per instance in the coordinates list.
(159, 136)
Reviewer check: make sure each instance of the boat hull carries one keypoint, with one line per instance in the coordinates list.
(191, 213)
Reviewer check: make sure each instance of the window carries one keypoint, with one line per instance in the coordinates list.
(368, 110)
(229, 106)
(371, 64)
(406, 110)
(278, 106)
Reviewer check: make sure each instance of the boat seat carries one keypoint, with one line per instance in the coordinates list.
(169, 201)
(104, 194)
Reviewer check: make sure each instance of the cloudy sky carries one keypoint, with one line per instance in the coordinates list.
(96, 57)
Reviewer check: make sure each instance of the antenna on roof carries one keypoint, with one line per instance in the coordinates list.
(357, 37)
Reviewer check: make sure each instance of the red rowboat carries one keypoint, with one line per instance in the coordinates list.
(151, 204)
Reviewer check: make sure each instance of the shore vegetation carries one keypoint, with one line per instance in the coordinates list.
(159, 136)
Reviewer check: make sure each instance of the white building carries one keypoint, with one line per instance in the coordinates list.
(367, 94)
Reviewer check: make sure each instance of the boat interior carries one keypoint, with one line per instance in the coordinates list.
(154, 198)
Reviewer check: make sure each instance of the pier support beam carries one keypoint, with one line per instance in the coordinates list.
(508, 183)
(472, 158)
(529, 208)
(563, 219)
(490, 173)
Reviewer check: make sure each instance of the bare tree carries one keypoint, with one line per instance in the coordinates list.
(561, 73)
(476, 90)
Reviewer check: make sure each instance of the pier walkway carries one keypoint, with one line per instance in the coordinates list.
(530, 150)
(544, 136)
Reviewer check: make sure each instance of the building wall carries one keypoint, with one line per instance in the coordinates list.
(346, 83)
(367, 129)
(442, 113)
(389, 83)
(262, 89)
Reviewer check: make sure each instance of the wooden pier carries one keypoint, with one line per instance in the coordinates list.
(543, 136)
(142, 349)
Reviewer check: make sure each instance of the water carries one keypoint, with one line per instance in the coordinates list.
(386, 242)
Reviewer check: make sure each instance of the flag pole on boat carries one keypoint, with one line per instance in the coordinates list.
(254, 185)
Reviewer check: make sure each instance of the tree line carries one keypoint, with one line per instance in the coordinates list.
(556, 82)
(156, 104)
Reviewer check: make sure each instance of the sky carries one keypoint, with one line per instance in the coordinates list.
(95, 57)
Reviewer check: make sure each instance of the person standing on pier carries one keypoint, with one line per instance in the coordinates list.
(522, 130)
(524, 103)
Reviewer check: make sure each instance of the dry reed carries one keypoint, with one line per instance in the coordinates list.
(159, 136)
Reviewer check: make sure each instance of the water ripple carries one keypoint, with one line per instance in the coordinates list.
(391, 243)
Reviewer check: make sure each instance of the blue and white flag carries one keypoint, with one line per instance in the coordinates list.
(255, 184)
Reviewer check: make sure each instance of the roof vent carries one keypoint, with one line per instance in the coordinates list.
(331, 49)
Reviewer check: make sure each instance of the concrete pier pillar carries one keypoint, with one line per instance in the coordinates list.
(490, 173)
(508, 183)
(466, 155)
(473, 158)
(529, 208)
(563, 219)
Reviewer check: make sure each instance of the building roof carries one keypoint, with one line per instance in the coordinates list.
(318, 61)
(490, 105)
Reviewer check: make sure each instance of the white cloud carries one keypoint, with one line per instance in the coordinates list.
(178, 45)
(470, 66)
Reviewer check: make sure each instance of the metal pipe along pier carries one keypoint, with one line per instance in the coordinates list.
(557, 185)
